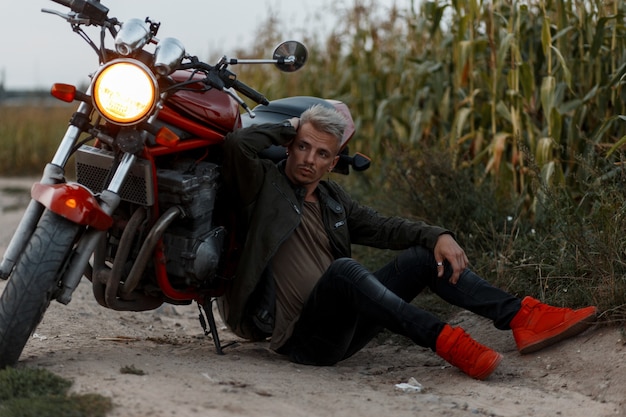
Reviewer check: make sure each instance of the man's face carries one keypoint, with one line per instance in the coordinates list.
(311, 155)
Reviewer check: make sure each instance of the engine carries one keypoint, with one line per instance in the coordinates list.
(193, 243)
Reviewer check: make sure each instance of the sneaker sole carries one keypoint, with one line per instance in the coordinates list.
(490, 369)
(573, 330)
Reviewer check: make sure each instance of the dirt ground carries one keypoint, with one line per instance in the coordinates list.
(183, 376)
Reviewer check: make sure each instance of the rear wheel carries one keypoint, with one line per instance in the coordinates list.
(33, 284)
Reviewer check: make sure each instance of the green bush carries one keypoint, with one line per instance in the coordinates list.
(28, 392)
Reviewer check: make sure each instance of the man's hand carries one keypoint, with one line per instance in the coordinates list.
(295, 122)
(446, 249)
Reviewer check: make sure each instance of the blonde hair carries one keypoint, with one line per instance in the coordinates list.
(325, 119)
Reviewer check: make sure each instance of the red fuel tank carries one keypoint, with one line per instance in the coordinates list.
(208, 114)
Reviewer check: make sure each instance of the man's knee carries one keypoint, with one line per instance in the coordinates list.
(347, 273)
(344, 266)
(416, 260)
(419, 254)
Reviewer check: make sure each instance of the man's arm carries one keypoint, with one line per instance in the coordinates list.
(399, 233)
(243, 170)
(370, 228)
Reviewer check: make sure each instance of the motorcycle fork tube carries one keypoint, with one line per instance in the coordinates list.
(76, 270)
(54, 173)
(109, 200)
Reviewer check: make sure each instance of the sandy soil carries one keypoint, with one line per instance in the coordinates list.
(183, 376)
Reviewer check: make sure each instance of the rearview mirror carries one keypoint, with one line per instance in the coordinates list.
(290, 56)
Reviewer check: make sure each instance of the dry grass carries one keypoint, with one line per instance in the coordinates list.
(29, 136)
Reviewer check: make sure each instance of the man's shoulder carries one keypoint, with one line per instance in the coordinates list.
(330, 190)
(330, 186)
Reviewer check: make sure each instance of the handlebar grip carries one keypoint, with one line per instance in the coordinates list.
(92, 9)
(66, 3)
(251, 93)
(72, 4)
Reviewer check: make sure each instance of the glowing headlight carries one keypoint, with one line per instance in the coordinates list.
(124, 91)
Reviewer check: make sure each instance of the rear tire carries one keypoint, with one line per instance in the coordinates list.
(33, 284)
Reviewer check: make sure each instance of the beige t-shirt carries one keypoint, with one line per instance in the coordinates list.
(297, 266)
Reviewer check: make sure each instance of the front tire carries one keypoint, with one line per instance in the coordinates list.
(33, 284)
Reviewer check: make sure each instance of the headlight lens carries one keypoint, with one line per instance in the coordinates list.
(125, 91)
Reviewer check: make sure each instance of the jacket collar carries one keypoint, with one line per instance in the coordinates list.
(299, 191)
(321, 190)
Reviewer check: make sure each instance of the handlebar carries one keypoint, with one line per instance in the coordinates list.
(221, 78)
(251, 93)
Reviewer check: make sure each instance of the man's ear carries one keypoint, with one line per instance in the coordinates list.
(288, 146)
(335, 160)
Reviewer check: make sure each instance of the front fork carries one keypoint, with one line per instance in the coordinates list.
(54, 174)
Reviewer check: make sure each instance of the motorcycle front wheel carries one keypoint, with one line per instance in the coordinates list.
(33, 284)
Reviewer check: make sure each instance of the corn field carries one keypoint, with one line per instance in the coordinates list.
(522, 98)
(512, 88)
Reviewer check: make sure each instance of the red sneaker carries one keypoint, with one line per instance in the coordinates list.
(459, 349)
(539, 325)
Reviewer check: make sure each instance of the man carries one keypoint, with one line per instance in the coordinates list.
(296, 281)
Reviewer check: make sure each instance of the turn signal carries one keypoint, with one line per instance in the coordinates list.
(166, 137)
(64, 92)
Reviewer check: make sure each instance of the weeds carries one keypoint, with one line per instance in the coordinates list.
(39, 393)
(29, 136)
(130, 369)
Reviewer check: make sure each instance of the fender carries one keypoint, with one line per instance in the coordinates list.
(74, 202)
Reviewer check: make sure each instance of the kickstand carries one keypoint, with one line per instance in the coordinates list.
(208, 310)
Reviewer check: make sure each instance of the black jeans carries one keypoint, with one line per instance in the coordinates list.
(350, 305)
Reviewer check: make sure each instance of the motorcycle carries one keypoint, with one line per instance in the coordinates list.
(146, 219)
